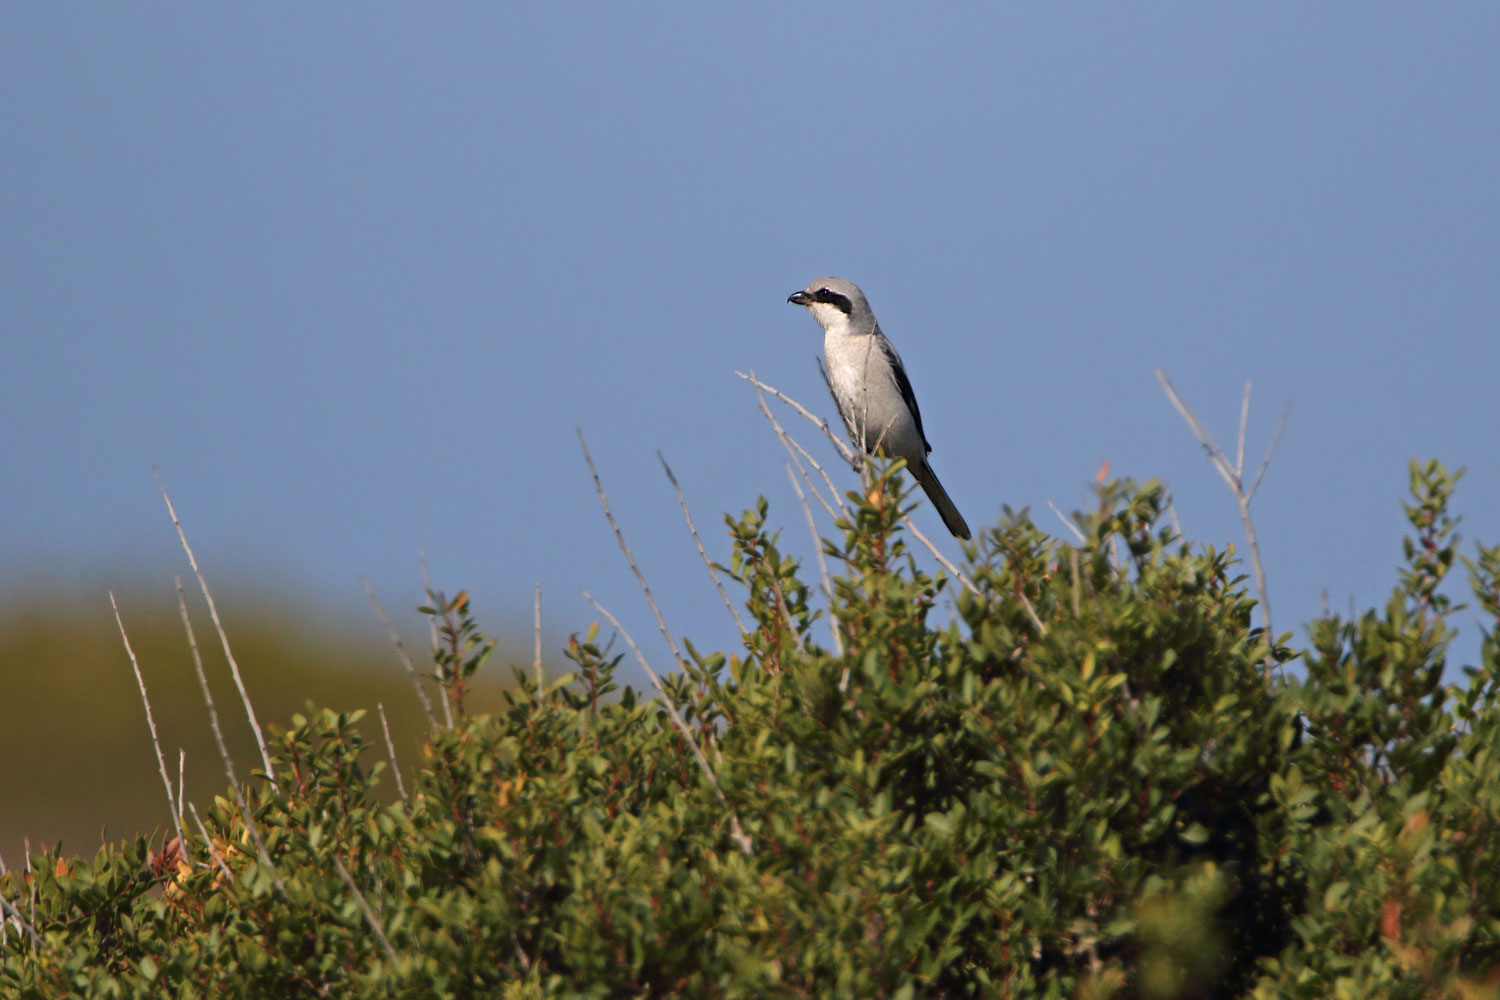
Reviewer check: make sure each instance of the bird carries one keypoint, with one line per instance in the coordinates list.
(870, 386)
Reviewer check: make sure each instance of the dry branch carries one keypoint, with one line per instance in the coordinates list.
(411, 669)
(629, 556)
(161, 761)
(693, 530)
(1233, 475)
(213, 613)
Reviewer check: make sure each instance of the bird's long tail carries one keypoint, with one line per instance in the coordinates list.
(939, 497)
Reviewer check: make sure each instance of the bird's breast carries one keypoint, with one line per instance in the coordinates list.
(868, 398)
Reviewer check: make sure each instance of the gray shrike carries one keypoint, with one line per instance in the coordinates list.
(870, 386)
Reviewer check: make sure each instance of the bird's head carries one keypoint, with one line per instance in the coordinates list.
(838, 305)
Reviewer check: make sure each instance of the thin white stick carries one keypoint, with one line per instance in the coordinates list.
(219, 858)
(434, 599)
(1068, 523)
(5, 904)
(833, 491)
(364, 907)
(812, 528)
(224, 757)
(1271, 448)
(390, 749)
(738, 833)
(702, 553)
(807, 478)
(786, 613)
(213, 613)
(947, 564)
(31, 880)
(1239, 454)
(1172, 513)
(1077, 585)
(969, 584)
(1233, 479)
(22, 922)
(1205, 439)
(208, 698)
(793, 446)
(536, 638)
(411, 669)
(161, 761)
(629, 556)
(843, 449)
(181, 782)
(1031, 612)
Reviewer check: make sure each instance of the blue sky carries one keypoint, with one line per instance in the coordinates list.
(350, 275)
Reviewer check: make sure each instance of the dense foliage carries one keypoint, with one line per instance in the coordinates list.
(1101, 780)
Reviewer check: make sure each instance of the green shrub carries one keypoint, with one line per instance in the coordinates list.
(1087, 785)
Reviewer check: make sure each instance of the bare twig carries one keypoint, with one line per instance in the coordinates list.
(21, 922)
(793, 448)
(1172, 513)
(837, 494)
(31, 884)
(411, 669)
(807, 478)
(6, 904)
(738, 833)
(969, 584)
(224, 757)
(434, 599)
(1233, 477)
(364, 907)
(1205, 439)
(208, 698)
(629, 556)
(812, 528)
(181, 781)
(947, 563)
(213, 613)
(212, 850)
(1077, 583)
(1031, 612)
(1239, 453)
(536, 638)
(1270, 449)
(390, 749)
(786, 613)
(692, 530)
(843, 449)
(161, 761)
(1069, 523)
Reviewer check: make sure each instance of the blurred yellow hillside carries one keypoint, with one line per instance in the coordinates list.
(76, 762)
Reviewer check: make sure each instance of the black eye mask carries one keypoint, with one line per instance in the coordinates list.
(832, 298)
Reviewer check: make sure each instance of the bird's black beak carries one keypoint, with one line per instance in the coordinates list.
(799, 298)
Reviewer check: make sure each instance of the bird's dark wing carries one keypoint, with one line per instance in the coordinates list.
(903, 383)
